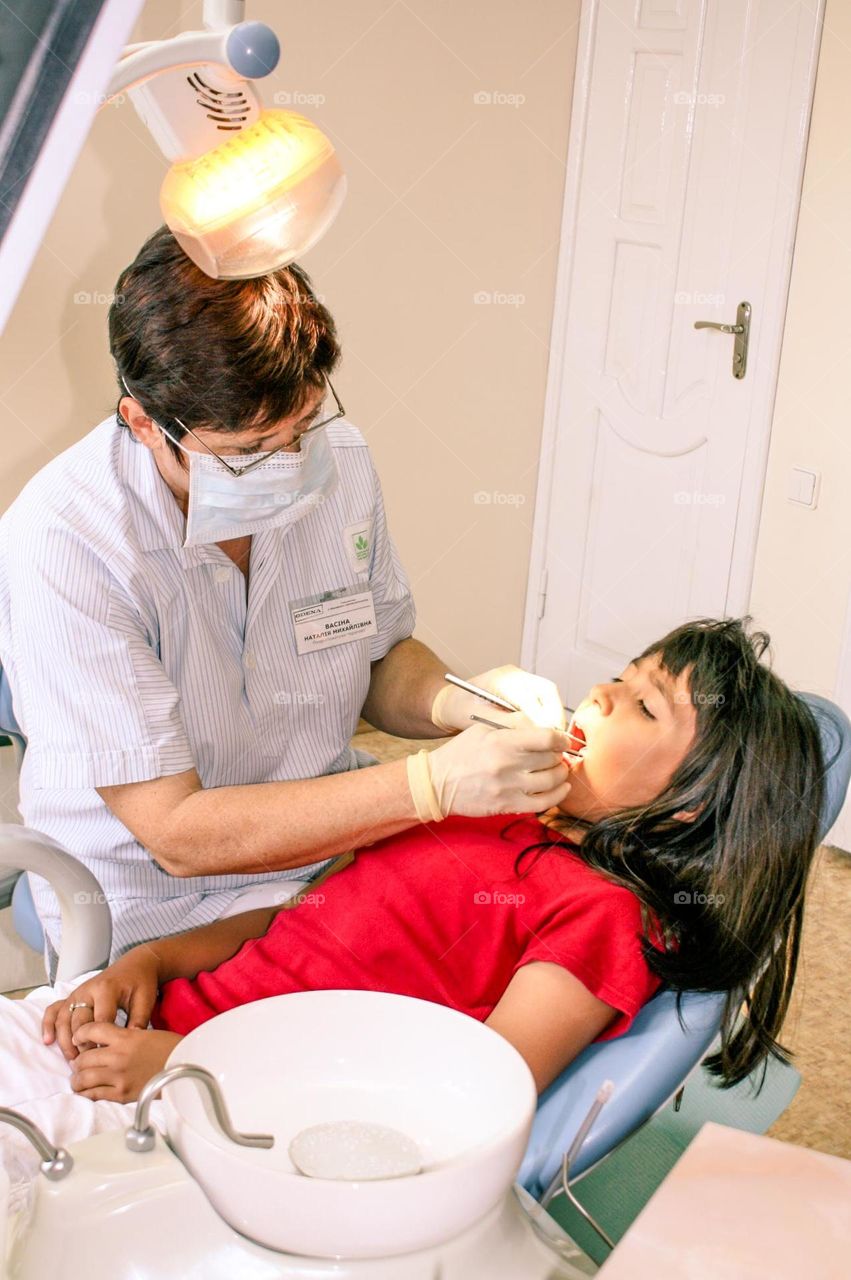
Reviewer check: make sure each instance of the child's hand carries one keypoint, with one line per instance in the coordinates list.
(115, 1062)
(130, 984)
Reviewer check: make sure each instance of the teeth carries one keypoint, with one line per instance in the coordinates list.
(577, 736)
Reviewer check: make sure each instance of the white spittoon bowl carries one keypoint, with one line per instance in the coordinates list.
(457, 1088)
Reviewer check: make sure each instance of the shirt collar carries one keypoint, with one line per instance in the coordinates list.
(160, 524)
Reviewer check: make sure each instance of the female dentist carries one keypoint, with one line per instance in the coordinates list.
(199, 600)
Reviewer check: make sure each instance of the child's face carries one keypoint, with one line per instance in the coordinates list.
(638, 728)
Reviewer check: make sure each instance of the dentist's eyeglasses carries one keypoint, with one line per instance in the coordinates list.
(322, 419)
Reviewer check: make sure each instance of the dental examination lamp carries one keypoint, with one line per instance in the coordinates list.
(250, 188)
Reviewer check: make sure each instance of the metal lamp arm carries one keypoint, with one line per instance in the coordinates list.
(189, 49)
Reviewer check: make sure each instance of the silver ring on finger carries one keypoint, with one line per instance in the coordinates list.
(79, 1004)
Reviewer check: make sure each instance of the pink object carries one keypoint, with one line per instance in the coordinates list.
(739, 1206)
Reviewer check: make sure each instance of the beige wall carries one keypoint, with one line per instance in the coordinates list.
(448, 198)
(803, 563)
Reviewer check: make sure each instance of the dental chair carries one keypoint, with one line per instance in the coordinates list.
(647, 1065)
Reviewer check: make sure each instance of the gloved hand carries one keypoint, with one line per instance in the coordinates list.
(486, 771)
(537, 697)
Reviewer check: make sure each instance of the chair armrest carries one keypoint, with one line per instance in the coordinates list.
(86, 921)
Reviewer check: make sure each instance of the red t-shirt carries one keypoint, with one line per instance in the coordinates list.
(438, 912)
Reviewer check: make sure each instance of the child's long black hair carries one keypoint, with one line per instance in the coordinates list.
(727, 887)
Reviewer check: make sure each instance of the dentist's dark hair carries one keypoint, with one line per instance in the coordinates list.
(728, 886)
(222, 355)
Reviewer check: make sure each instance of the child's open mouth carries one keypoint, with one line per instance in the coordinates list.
(577, 741)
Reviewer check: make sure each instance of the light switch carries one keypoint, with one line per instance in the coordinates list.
(803, 486)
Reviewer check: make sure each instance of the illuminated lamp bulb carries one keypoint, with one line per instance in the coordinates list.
(257, 201)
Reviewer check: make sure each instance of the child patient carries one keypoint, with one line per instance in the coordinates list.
(680, 855)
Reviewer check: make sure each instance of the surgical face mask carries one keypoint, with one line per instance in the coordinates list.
(276, 493)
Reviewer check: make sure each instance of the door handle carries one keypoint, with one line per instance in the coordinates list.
(741, 331)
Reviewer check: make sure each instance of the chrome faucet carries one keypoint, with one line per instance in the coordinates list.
(55, 1161)
(141, 1135)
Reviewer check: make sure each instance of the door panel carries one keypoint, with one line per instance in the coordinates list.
(686, 157)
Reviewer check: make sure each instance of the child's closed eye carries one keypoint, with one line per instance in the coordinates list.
(642, 705)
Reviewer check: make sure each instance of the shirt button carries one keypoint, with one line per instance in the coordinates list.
(250, 661)
(222, 574)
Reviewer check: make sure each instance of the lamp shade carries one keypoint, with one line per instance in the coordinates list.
(256, 201)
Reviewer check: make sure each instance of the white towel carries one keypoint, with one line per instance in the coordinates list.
(35, 1079)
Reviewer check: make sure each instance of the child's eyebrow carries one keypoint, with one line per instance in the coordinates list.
(658, 683)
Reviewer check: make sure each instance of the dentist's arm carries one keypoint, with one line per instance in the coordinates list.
(402, 687)
(191, 830)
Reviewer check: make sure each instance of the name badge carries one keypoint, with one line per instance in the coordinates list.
(332, 618)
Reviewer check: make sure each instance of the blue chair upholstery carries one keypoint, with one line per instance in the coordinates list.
(649, 1063)
(8, 880)
(24, 915)
(646, 1066)
(15, 887)
(8, 723)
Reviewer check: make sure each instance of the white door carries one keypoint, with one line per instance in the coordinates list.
(685, 162)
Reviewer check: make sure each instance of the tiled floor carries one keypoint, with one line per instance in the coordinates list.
(818, 1028)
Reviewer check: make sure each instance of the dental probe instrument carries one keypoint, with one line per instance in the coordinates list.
(493, 698)
(493, 724)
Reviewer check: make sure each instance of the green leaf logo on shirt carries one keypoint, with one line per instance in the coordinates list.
(361, 546)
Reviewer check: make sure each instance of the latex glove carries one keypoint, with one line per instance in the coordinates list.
(537, 697)
(486, 771)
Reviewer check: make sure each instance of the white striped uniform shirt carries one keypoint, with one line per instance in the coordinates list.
(131, 657)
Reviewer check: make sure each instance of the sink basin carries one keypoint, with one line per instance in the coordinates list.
(454, 1086)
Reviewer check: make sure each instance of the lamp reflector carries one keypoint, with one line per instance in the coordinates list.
(258, 200)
